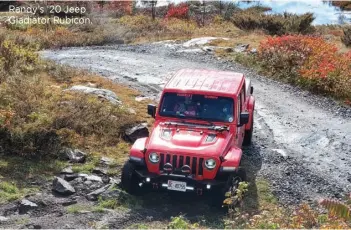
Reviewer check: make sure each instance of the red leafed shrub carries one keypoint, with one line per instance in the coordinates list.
(178, 11)
(308, 61)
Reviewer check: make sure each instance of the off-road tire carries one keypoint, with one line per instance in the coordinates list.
(129, 179)
(248, 134)
(218, 196)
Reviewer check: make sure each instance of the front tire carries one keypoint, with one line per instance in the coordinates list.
(129, 180)
(248, 134)
(233, 181)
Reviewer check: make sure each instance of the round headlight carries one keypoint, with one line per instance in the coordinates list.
(154, 157)
(210, 163)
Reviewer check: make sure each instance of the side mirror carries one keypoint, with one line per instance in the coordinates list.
(151, 110)
(244, 118)
(251, 90)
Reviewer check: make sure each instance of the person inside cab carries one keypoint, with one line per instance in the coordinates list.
(227, 111)
(186, 107)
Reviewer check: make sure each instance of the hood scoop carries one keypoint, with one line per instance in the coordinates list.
(188, 138)
(210, 138)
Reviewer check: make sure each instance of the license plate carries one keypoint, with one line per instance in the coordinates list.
(176, 185)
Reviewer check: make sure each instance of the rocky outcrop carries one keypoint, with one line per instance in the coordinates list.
(62, 187)
(25, 206)
(101, 93)
(74, 156)
(136, 132)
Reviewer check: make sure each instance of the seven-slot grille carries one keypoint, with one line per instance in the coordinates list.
(177, 161)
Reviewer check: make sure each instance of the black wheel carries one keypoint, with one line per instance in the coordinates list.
(130, 181)
(248, 134)
(219, 195)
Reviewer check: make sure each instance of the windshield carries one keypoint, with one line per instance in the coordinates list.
(195, 106)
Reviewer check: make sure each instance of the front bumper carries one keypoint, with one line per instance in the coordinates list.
(157, 181)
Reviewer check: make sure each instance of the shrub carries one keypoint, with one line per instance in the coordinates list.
(140, 23)
(346, 38)
(337, 208)
(16, 58)
(179, 11)
(308, 61)
(88, 116)
(274, 24)
(179, 222)
(180, 27)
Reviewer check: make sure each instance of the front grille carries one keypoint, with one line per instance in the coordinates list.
(177, 161)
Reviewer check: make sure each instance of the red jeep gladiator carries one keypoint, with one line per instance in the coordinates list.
(203, 119)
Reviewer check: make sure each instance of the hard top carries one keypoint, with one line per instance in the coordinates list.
(204, 80)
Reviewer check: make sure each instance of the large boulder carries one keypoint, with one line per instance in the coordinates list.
(101, 93)
(25, 206)
(61, 186)
(136, 132)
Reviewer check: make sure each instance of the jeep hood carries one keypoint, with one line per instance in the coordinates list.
(188, 140)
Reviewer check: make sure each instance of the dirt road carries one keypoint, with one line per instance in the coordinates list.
(302, 142)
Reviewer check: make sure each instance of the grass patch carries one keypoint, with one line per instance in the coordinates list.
(10, 192)
(180, 222)
(124, 201)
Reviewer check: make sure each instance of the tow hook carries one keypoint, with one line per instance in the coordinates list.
(154, 185)
(199, 191)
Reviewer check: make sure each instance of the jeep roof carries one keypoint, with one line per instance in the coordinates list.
(203, 80)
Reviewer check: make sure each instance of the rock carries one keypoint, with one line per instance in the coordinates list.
(141, 98)
(68, 202)
(89, 84)
(93, 178)
(33, 226)
(208, 48)
(105, 179)
(102, 93)
(25, 206)
(3, 219)
(136, 132)
(99, 171)
(93, 196)
(106, 161)
(241, 48)
(70, 177)
(131, 111)
(88, 182)
(74, 156)
(63, 187)
(228, 50)
(253, 51)
(67, 170)
(110, 193)
(200, 41)
(197, 50)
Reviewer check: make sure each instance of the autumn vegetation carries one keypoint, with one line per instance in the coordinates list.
(38, 117)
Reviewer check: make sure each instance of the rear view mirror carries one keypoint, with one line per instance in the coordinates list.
(151, 110)
(251, 90)
(244, 118)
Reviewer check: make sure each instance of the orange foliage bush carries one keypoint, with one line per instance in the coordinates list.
(308, 61)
